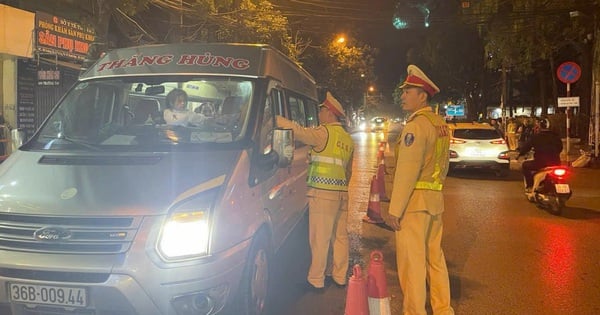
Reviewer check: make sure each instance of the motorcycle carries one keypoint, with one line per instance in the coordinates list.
(550, 188)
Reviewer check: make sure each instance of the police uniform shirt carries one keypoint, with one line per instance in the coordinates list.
(317, 138)
(415, 162)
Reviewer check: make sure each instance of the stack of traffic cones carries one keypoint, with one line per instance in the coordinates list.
(378, 297)
(356, 296)
(374, 209)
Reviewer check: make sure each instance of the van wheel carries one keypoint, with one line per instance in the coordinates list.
(254, 287)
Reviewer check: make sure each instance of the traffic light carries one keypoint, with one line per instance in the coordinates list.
(414, 16)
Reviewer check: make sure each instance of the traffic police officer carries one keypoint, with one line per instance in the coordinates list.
(328, 177)
(417, 203)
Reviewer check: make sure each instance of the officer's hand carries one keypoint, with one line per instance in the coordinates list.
(392, 221)
(279, 121)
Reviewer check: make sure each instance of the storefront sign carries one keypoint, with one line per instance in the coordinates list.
(48, 77)
(26, 79)
(56, 35)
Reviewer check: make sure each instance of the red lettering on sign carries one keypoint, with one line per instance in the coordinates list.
(47, 39)
(148, 60)
(136, 61)
(222, 61)
(81, 47)
(205, 59)
(163, 60)
(116, 64)
(65, 43)
(187, 59)
(241, 64)
(131, 63)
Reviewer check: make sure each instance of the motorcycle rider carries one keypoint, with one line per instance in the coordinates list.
(547, 146)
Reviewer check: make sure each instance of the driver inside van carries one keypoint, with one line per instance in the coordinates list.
(177, 112)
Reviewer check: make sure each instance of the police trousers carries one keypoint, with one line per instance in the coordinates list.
(420, 258)
(328, 236)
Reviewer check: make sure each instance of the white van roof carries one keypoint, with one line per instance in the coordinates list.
(243, 60)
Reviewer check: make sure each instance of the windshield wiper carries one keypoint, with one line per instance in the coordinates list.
(62, 136)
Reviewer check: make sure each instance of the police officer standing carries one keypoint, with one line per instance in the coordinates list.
(329, 173)
(417, 203)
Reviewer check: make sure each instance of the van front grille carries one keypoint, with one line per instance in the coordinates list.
(67, 235)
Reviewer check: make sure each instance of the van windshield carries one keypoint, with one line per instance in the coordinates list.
(147, 113)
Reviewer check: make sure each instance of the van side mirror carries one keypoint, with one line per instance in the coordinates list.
(283, 145)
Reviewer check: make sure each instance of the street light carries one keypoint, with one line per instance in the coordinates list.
(370, 89)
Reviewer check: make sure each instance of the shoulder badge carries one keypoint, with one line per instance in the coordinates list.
(409, 138)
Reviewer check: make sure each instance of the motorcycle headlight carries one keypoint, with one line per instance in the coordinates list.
(184, 235)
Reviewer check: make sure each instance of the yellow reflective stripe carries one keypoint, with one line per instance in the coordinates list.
(326, 159)
(428, 185)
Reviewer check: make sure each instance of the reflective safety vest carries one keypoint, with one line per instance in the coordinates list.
(327, 168)
(441, 152)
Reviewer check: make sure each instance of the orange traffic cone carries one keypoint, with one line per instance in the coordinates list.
(356, 296)
(381, 183)
(381, 152)
(378, 297)
(374, 209)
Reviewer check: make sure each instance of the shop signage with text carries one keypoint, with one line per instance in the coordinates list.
(56, 35)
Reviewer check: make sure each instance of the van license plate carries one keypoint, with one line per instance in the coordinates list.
(562, 188)
(49, 295)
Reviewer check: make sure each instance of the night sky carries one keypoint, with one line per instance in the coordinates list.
(370, 22)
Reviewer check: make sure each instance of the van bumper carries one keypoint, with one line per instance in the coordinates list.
(203, 287)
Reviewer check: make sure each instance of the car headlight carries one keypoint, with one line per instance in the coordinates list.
(184, 235)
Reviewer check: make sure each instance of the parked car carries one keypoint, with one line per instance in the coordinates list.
(378, 124)
(476, 145)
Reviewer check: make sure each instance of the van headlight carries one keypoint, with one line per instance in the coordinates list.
(184, 235)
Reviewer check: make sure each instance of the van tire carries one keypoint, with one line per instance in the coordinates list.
(253, 292)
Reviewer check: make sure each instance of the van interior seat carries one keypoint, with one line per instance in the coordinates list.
(231, 105)
(144, 109)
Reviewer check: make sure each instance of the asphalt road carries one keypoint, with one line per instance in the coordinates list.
(504, 255)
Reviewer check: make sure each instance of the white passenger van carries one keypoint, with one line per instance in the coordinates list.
(109, 210)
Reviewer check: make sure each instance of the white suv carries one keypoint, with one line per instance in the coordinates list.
(478, 145)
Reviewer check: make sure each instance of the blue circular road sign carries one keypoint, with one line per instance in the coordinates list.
(568, 72)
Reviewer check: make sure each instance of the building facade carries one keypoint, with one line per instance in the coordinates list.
(40, 59)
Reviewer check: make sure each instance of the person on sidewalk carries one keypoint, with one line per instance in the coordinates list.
(329, 173)
(511, 134)
(417, 203)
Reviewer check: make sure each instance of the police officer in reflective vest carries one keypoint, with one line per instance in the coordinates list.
(328, 177)
(417, 203)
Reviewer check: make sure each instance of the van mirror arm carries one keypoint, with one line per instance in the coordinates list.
(267, 161)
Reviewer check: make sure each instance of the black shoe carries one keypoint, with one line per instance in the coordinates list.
(307, 287)
(329, 280)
